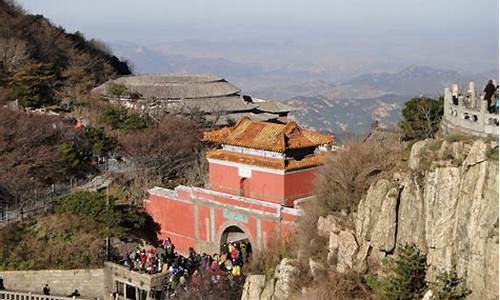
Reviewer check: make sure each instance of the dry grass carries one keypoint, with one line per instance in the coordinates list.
(309, 243)
(337, 286)
(265, 261)
(348, 173)
(457, 136)
(59, 241)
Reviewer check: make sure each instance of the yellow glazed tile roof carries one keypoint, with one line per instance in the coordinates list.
(268, 136)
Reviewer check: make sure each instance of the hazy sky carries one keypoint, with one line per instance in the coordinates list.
(128, 19)
(377, 32)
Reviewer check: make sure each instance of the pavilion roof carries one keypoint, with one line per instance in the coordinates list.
(174, 86)
(270, 136)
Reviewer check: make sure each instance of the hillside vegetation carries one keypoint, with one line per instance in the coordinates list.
(62, 136)
(42, 64)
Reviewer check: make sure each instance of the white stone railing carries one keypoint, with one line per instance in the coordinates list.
(10, 295)
(468, 113)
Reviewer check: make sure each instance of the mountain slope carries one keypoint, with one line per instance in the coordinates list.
(347, 115)
(73, 61)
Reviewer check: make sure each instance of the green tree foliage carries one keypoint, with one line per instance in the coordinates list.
(116, 89)
(33, 85)
(59, 241)
(10, 236)
(102, 144)
(449, 286)
(421, 118)
(118, 219)
(122, 119)
(133, 121)
(404, 277)
(78, 63)
(75, 158)
(492, 154)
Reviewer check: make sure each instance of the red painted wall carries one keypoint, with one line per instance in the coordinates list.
(299, 185)
(176, 220)
(223, 179)
(276, 188)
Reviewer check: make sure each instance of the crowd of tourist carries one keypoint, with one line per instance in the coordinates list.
(196, 273)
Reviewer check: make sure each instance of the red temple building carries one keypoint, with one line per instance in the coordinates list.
(257, 178)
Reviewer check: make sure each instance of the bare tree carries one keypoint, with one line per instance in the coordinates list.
(348, 172)
(167, 150)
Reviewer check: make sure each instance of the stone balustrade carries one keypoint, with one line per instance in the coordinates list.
(468, 112)
(10, 295)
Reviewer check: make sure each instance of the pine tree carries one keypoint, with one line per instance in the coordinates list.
(34, 85)
(449, 286)
(405, 275)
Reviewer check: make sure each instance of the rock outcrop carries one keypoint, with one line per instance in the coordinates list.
(446, 203)
(279, 287)
(254, 285)
(450, 211)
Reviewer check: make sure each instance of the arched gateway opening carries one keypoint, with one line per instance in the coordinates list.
(234, 234)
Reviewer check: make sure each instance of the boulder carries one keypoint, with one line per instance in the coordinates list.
(443, 152)
(286, 274)
(252, 289)
(360, 265)
(418, 152)
(429, 295)
(317, 269)
(333, 248)
(347, 249)
(328, 224)
(268, 292)
(477, 153)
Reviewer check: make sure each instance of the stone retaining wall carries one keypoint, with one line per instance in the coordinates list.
(89, 282)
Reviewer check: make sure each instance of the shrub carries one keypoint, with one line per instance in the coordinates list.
(59, 241)
(421, 118)
(337, 286)
(116, 89)
(265, 261)
(458, 137)
(404, 275)
(492, 154)
(75, 158)
(34, 85)
(10, 237)
(102, 144)
(133, 121)
(448, 286)
(348, 173)
(120, 118)
(118, 219)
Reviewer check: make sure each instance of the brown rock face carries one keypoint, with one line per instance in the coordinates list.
(450, 212)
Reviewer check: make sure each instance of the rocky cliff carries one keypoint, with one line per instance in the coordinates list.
(445, 201)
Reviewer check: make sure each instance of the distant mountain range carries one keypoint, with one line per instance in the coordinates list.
(349, 105)
(353, 106)
(341, 116)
